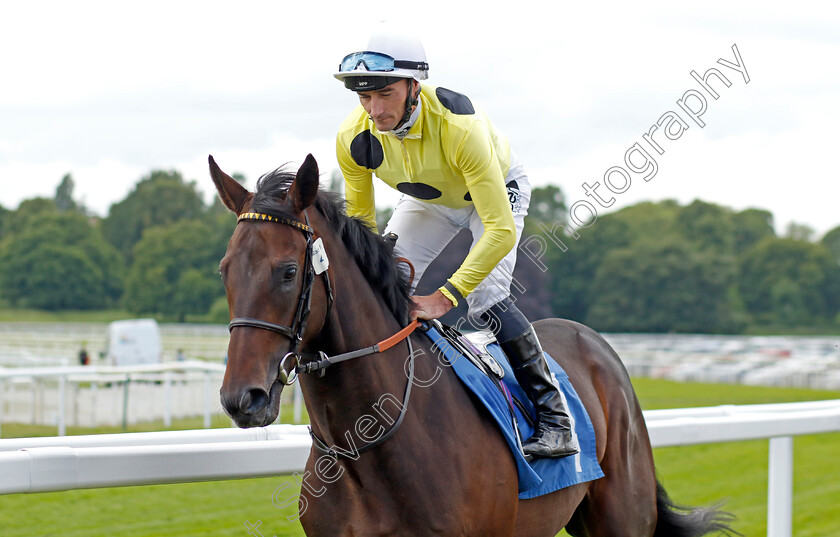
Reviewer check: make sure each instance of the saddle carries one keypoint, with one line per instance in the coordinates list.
(474, 347)
(489, 377)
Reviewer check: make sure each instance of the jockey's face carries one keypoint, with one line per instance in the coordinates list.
(387, 105)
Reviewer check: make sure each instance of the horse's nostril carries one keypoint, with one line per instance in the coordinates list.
(253, 401)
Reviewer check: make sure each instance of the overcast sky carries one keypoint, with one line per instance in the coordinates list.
(109, 91)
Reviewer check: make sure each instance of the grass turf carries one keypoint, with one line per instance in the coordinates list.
(693, 475)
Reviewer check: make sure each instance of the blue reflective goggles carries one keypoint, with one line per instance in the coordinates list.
(376, 61)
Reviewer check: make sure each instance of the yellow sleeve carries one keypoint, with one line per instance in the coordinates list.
(358, 184)
(477, 161)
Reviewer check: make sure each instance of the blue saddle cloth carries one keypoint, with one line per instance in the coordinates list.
(540, 476)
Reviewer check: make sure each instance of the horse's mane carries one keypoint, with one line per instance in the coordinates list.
(373, 255)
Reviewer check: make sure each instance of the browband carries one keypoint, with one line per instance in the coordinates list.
(280, 220)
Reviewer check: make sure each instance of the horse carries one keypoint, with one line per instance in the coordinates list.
(399, 445)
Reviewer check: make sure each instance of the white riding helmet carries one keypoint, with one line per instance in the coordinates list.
(391, 55)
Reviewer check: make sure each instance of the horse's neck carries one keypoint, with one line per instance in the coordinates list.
(350, 389)
(359, 318)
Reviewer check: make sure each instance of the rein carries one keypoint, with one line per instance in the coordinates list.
(295, 334)
(326, 361)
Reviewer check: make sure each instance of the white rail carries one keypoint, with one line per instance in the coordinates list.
(65, 463)
(89, 370)
(683, 427)
(105, 373)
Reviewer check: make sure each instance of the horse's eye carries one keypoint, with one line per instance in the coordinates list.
(290, 273)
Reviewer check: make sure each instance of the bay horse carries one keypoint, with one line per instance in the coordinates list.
(388, 459)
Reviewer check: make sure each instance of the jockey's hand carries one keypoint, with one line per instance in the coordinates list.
(430, 306)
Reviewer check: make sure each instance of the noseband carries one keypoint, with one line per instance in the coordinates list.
(295, 331)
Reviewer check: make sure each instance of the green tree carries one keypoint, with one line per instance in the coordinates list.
(547, 205)
(5, 219)
(572, 262)
(648, 247)
(34, 207)
(28, 213)
(707, 226)
(831, 241)
(573, 257)
(54, 277)
(789, 280)
(788, 302)
(175, 270)
(219, 224)
(800, 232)
(751, 226)
(195, 292)
(649, 219)
(159, 199)
(662, 286)
(64, 194)
(219, 312)
(59, 261)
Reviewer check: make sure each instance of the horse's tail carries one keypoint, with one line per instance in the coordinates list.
(674, 520)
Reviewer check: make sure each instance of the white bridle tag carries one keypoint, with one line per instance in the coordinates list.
(320, 261)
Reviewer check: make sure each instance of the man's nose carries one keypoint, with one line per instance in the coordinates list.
(376, 107)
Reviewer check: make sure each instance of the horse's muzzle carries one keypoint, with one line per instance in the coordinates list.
(253, 407)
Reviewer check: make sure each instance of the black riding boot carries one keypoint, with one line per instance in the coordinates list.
(553, 434)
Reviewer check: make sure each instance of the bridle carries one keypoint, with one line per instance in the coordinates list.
(295, 333)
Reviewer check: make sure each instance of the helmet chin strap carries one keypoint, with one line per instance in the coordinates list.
(411, 101)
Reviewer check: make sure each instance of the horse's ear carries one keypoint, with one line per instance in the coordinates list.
(305, 187)
(234, 196)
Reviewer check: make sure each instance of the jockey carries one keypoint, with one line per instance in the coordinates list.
(455, 171)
